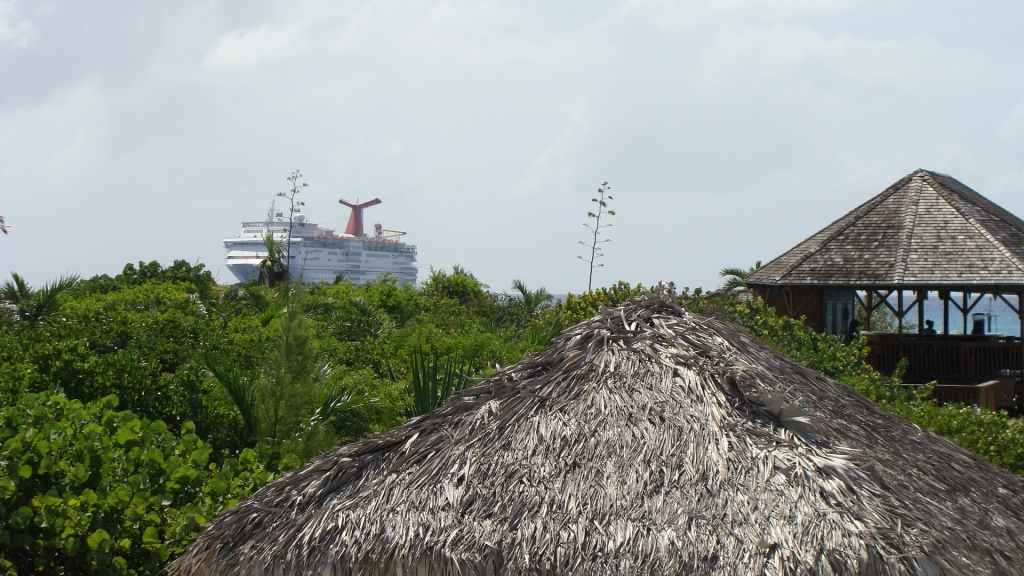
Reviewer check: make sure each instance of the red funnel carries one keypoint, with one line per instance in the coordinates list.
(355, 221)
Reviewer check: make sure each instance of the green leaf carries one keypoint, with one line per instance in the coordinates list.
(217, 486)
(7, 487)
(154, 455)
(289, 462)
(25, 471)
(150, 537)
(78, 474)
(22, 517)
(123, 436)
(71, 546)
(119, 497)
(98, 540)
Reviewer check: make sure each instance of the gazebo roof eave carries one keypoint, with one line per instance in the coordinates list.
(974, 288)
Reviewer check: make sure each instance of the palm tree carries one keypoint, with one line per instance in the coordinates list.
(273, 269)
(32, 305)
(734, 279)
(532, 300)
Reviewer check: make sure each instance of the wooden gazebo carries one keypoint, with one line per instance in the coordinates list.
(926, 236)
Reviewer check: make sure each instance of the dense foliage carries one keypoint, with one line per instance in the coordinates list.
(223, 387)
(159, 337)
(86, 489)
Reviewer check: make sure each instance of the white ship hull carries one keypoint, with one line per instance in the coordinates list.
(318, 255)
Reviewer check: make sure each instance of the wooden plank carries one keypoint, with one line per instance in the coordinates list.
(983, 395)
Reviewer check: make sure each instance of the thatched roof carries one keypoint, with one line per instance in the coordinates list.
(926, 230)
(647, 440)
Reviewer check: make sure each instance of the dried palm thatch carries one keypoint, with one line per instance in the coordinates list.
(647, 440)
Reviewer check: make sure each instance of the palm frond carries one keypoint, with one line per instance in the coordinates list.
(532, 300)
(36, 305)
(317, 304)
(15, 292)
(268, 304)
(241, 392)
(735, 278)
(335, 406)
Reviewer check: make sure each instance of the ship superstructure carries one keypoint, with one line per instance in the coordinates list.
(318, 254)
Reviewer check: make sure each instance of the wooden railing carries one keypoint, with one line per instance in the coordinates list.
(992, 395)
(947, 360)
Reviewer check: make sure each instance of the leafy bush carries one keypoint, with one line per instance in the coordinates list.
(460, 286)
(141, 342)
(86, 489)
(993, 436)
(178, 272)
(577, 308)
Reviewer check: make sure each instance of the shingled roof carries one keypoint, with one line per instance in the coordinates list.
(926, 230)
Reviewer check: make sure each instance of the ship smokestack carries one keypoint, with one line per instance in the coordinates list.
(355, 221)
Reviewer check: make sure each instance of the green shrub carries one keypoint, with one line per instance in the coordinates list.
(87, 489)
(460, 285)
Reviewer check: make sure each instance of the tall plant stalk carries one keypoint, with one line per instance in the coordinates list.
(595, 244)
(293, 208)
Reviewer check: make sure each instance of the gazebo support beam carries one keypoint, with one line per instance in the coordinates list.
(899, 313)
(908, 309)
(945, 312)
(1015, 309)
(884, 298)
(964, 310)
(870, 309)
(968, 305)
(920, 310)
(971, 307)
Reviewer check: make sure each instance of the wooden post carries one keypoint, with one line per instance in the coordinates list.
(964, 310)
(920, 311)
(899, 325)
(867, 313)
(899, 314)
(945, 315)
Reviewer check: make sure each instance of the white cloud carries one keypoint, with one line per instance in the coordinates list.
(782, 53)
(13, 28)
(242, 48)
(1012, 128)
(780, 7)
(674, 15)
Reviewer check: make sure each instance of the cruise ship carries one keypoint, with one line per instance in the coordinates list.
(318, 254)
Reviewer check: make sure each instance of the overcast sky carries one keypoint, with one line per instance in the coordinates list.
(728, 130)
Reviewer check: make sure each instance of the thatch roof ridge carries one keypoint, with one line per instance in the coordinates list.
(926, 229)
(645, 440)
